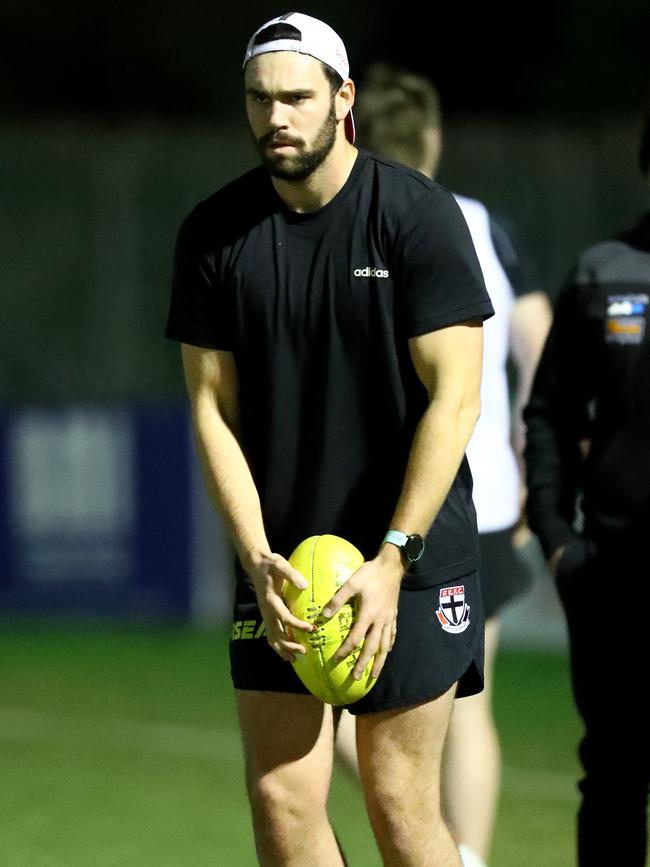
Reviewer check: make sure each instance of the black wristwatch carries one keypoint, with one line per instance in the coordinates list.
(412, 547)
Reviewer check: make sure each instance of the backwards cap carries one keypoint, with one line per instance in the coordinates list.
(306, 35)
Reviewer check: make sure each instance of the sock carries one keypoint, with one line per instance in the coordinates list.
(469, 857)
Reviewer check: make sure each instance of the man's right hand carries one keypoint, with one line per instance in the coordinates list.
(268, 574)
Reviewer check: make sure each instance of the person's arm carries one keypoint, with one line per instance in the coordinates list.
(556, 422)
(448, 363)
(530, 321)
(530, 317)
(211, 378)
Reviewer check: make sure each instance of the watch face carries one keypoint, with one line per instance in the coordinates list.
(414, 548)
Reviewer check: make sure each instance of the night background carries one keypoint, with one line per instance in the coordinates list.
(180, 62)
(118, 740)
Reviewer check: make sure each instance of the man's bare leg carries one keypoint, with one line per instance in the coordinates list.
(400, 755)
(288, 744)
(346, 744)
(472, 761)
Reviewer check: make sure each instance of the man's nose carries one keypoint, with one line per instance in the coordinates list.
(278, 115)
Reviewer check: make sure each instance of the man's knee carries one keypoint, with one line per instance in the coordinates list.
(402, 796)
(407, 823)
(403, 790)
(284, 802)
(288, 749)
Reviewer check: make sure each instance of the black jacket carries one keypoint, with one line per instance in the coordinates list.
(588, 417)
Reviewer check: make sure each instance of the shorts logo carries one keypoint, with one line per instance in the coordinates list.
(453, 613)
(245, 629)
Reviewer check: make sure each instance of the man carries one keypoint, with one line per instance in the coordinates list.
(589, 434)
(330, 309)
(398, 115)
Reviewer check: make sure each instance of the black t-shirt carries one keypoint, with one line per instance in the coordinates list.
(317, 309)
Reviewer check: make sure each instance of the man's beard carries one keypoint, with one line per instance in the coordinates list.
(300, 166)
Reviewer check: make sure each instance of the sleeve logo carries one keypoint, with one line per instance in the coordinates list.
(626, 319)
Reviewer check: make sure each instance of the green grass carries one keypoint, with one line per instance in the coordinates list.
(119, 748)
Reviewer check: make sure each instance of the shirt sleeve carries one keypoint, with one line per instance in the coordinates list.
(514, 260)
(556, 420)
(438, 275)
(199, 311)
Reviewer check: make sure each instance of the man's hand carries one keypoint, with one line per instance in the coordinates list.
(377, 584)
(268, 574)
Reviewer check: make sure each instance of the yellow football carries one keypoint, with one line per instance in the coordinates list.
(326, 562)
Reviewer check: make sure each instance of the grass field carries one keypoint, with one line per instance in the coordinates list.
(119, 748)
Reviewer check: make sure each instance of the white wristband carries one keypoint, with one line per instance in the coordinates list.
(396, 538)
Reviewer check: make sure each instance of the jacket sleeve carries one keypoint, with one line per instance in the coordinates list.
(557, 419)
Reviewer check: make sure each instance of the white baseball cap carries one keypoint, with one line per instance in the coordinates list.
(306, 35)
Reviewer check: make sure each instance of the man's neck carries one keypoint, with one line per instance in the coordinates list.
(322, 185)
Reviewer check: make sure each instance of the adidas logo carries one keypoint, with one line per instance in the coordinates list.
(370, 272)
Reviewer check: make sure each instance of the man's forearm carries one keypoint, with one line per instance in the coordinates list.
(436, 454)
(230, 482)
(552, 462)
(552, 456)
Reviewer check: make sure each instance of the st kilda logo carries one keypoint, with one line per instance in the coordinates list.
(453, 610)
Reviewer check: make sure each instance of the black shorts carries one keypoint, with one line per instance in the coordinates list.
(504, 571)
(439, 641)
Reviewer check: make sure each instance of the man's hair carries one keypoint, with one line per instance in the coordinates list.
(393, 109)
(644, 147)
(334, 79)
(283, 30)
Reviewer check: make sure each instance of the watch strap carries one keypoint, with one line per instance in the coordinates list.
(396, 538)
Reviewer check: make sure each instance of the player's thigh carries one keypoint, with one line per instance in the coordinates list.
(400, 750)
(288, 741)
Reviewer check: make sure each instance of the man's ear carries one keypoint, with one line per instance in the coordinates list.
(345, 99)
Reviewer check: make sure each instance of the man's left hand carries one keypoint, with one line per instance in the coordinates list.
(377, 584)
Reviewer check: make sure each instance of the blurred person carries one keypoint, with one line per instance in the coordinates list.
(398, 116)
(588, 443)
(330, 309)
